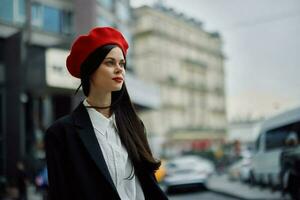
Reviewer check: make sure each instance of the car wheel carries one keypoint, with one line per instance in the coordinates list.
(271, 182)
(252, 180)
(260, 181)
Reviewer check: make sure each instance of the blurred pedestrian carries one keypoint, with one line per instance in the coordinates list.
(22, 181)
(100, 150)
(291, 142)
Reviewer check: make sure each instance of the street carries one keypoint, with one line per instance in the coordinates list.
(218, 188)
(196, 195)
(222, 185)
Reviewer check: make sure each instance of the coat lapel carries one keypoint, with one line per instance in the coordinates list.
(88, 137)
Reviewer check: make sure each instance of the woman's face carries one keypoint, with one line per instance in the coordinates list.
(109, 76)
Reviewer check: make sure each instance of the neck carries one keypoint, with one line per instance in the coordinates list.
(100, 100)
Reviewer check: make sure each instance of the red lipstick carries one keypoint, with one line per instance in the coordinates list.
(118, 79)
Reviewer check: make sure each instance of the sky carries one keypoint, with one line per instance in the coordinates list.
(261, 42)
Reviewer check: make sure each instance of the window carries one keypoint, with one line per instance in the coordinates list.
(12, 10)
(36, 14)
(6, 10)
(20, 11)
(295, 127)
(66, 22)
(51, 19)
(277, 138)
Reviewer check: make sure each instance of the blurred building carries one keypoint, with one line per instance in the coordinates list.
(35, 87)
(187, 62)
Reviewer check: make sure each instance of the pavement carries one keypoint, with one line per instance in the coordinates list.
(222, 184)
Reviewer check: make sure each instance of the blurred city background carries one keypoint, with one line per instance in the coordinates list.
(215, 83)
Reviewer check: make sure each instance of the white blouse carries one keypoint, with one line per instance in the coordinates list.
(115, 155)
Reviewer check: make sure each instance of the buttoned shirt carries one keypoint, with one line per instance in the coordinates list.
(115, 155)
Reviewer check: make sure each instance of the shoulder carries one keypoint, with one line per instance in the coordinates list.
(61, 122)
(59, 126)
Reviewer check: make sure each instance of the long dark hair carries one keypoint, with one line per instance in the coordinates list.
(130, 127)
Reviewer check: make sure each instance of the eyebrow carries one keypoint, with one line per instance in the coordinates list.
(111, 58)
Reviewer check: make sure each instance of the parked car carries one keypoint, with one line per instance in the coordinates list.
(290, 171)
(240, 170)
(187, 171)
(269, 145)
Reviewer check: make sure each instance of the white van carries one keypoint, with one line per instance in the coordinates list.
(271, 141)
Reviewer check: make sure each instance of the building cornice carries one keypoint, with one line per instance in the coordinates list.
(173, 38)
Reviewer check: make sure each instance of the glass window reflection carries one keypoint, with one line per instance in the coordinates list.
(20, 14)
(36, 15)
(66, 22)
(51, 19)
(6, 10)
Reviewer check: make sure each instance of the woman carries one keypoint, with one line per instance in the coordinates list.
(100, 151)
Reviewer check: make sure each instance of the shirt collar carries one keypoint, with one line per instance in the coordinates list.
(99, 121)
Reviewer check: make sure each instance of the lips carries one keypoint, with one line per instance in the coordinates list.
(118, 79)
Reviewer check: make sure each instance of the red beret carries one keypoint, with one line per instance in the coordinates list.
(86, 44)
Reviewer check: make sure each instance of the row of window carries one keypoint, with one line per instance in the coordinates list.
(56, 20)
(12, 10)
(51, 19)
(44, 17)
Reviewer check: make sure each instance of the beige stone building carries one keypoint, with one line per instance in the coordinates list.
(187, 63)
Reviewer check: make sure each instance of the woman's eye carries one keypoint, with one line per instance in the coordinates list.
(110, 63)
(122, 64)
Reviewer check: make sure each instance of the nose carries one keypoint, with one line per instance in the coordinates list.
(119, 66)
(119, 69)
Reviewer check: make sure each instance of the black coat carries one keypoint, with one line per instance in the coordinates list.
(76, 166)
